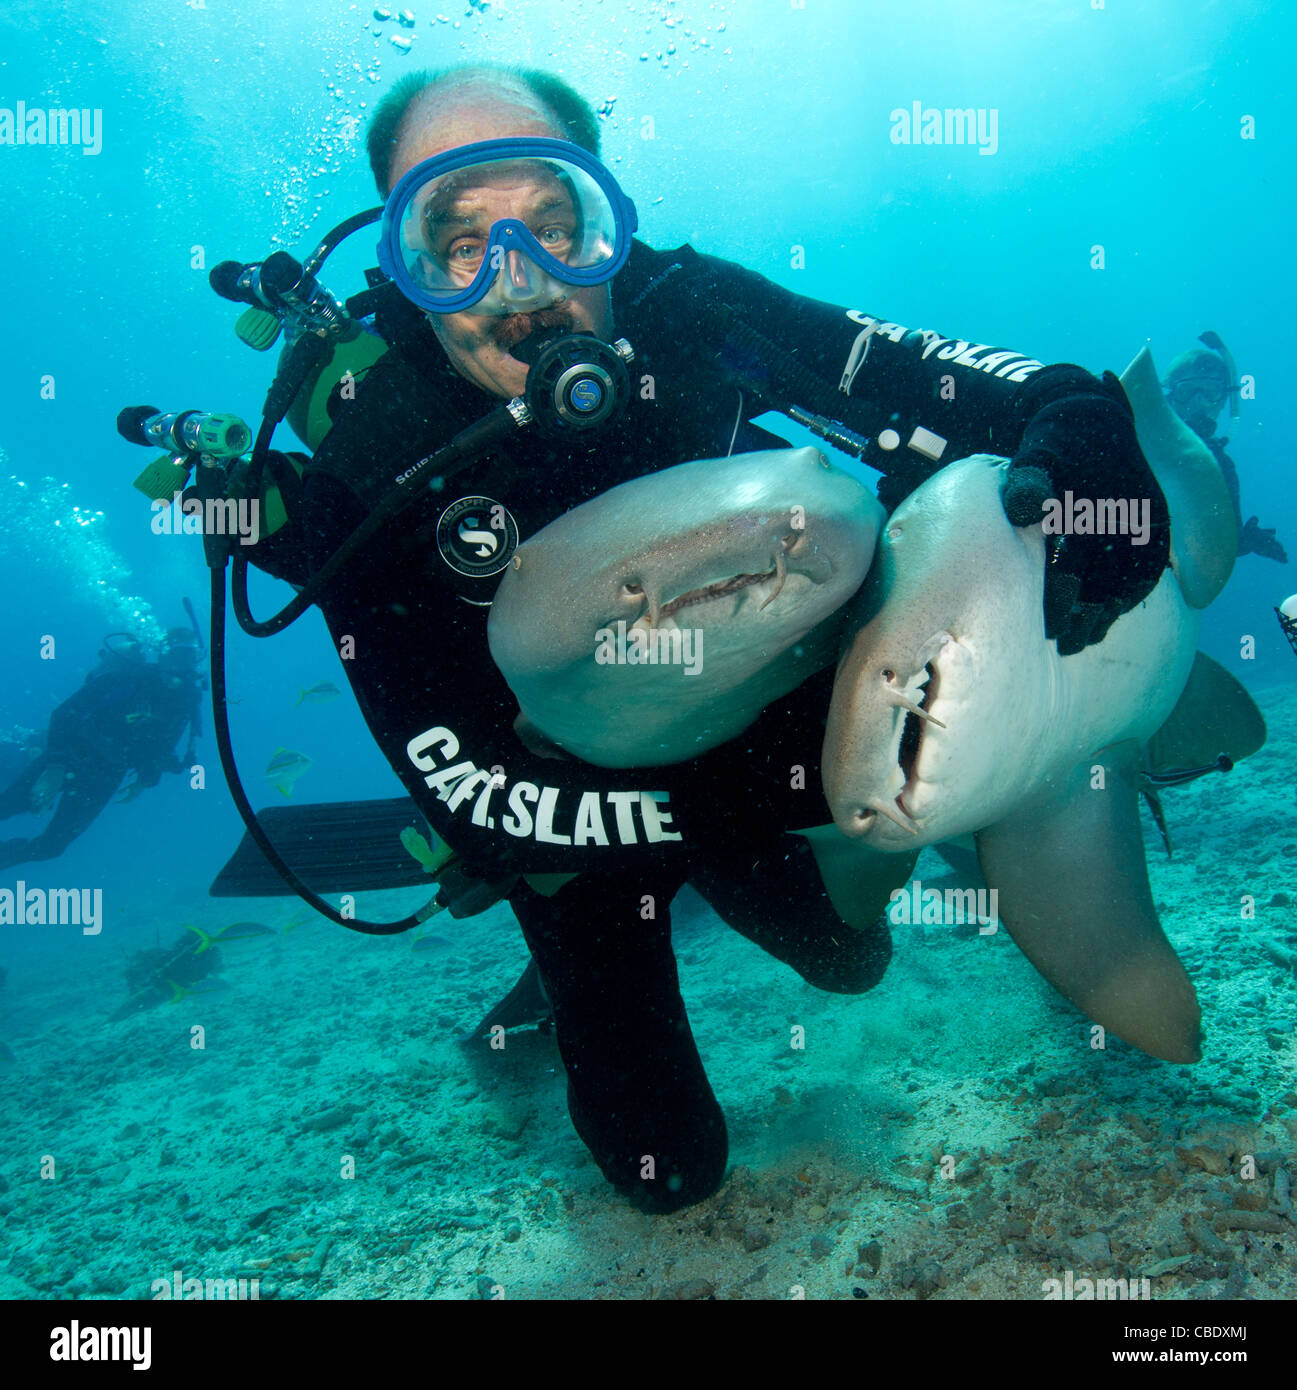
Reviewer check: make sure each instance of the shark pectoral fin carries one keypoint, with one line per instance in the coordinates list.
(1073, 893)
(1213, 715)
(1204, 530)
(858, 880)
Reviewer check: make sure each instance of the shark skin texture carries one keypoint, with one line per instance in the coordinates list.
(732, 575)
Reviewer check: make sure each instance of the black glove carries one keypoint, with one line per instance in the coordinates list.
(1086, 444)
(1260, 540)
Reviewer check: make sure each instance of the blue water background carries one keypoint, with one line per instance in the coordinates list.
(238, 127)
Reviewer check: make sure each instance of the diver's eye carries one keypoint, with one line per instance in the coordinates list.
(556, 240)
(464, 255)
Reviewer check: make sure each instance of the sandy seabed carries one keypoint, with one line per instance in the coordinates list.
(952, 1135)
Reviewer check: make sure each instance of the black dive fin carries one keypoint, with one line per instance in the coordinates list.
(334, 846)
(526, 1003)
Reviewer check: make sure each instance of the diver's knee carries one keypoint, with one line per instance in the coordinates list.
(660, 1164)
(683, 1184)
(857, 966)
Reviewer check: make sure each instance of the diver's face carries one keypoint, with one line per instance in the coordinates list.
(1198, 402)
(178, 661)
(523, 298)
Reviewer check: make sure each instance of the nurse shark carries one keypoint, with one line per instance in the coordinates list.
(657, 620)
(931, 734)
(952, 714)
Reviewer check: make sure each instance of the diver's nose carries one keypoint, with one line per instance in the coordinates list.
(523, 285)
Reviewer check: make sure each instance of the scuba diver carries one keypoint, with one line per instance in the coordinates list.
(127, 717)
(1197, 385)
(507, 246)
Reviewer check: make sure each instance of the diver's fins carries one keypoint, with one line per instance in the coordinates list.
(334, 846)
(525, 1003)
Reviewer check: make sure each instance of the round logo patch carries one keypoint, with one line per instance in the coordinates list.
(477, 536)
(586, 395)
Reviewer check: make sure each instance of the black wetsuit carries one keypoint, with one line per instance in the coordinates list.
(1252, 538)
(426, 684)
(124, 718)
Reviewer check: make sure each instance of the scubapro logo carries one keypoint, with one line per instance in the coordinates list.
(586, 396)
(477, 536)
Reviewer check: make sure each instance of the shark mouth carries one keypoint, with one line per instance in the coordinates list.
(778, 571)
(917, 714)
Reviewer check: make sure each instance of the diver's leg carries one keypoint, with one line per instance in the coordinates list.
(637, 1092)
(85, 793)
(16, 797)
(776, 898)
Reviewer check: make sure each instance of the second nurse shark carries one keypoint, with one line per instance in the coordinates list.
(952, 714)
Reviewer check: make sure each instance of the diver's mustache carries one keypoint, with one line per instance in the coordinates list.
(513, 328)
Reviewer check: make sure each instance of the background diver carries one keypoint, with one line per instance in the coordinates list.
(127, 717)
(501, 231)
(1198, 383)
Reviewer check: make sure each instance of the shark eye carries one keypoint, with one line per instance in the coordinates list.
(632, 590)
(789, 542)
(889, 675)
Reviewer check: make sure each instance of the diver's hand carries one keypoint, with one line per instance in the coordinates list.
(465, 894)
(1254, 539)
(1086, 444)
